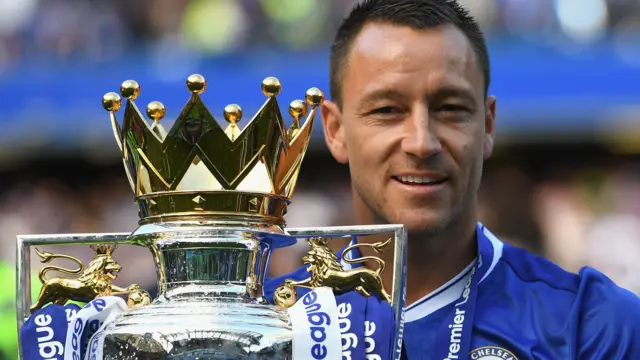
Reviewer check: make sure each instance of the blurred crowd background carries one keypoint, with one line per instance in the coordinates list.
(564, 182)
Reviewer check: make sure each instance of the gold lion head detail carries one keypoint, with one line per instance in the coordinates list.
(320, 256)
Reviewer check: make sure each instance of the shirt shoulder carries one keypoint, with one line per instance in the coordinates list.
(607, 319)
(534, 270)
(587, 312)
(589, 286)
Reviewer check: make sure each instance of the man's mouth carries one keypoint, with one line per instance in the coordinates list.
(420, 180)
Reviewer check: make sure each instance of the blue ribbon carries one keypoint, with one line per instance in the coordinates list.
(453, 339)
(43, 335)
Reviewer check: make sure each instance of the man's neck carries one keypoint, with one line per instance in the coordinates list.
(432, 259)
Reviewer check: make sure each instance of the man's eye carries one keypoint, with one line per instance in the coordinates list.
(384, 110)
(452, 108)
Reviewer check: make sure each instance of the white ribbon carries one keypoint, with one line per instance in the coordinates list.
(314, 320)
(87, 322)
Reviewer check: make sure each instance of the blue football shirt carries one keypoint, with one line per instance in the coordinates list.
(525, 308)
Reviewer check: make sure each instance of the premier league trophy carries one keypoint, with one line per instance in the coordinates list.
(211, 204)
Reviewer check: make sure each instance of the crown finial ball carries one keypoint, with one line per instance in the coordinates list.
(196, 84)
(271, 86)
(314, 97)
(232, 113)
(298, 109)
(130, 89)
(111, 102)
(156, 110)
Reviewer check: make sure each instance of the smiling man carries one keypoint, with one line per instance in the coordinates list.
(412, 117)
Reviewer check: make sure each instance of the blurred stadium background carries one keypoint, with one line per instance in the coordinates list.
(564, 182)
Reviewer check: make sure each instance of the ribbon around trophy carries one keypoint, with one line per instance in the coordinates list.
(325, 326)
(347, 326)
(64, 332)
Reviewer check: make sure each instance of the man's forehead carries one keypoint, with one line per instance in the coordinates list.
(388, 51)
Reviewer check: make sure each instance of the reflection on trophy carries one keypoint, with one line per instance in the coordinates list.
(211, 203)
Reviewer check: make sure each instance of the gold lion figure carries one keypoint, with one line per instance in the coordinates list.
(94, 281)
(326, 270)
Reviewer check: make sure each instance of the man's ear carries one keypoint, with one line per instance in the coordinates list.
(334, 131)
(489, 126)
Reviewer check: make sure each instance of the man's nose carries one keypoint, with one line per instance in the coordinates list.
(420, 137)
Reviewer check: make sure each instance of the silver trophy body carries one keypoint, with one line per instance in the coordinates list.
(212, 203)
(210, 303)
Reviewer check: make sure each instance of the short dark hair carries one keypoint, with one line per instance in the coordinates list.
(416, 14)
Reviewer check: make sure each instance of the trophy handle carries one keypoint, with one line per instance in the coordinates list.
(23, 266)
(398, 291)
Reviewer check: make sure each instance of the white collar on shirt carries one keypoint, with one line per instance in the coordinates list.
(451, 291)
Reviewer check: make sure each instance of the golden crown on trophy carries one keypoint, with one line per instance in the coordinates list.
(198, 169)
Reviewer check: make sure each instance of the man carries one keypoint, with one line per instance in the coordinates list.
(411, 116)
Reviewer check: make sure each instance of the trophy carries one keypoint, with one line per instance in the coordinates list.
(211, 205)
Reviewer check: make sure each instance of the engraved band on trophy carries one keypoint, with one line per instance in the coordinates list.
(211, 204)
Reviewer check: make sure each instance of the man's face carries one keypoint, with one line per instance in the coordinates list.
(414, 126)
